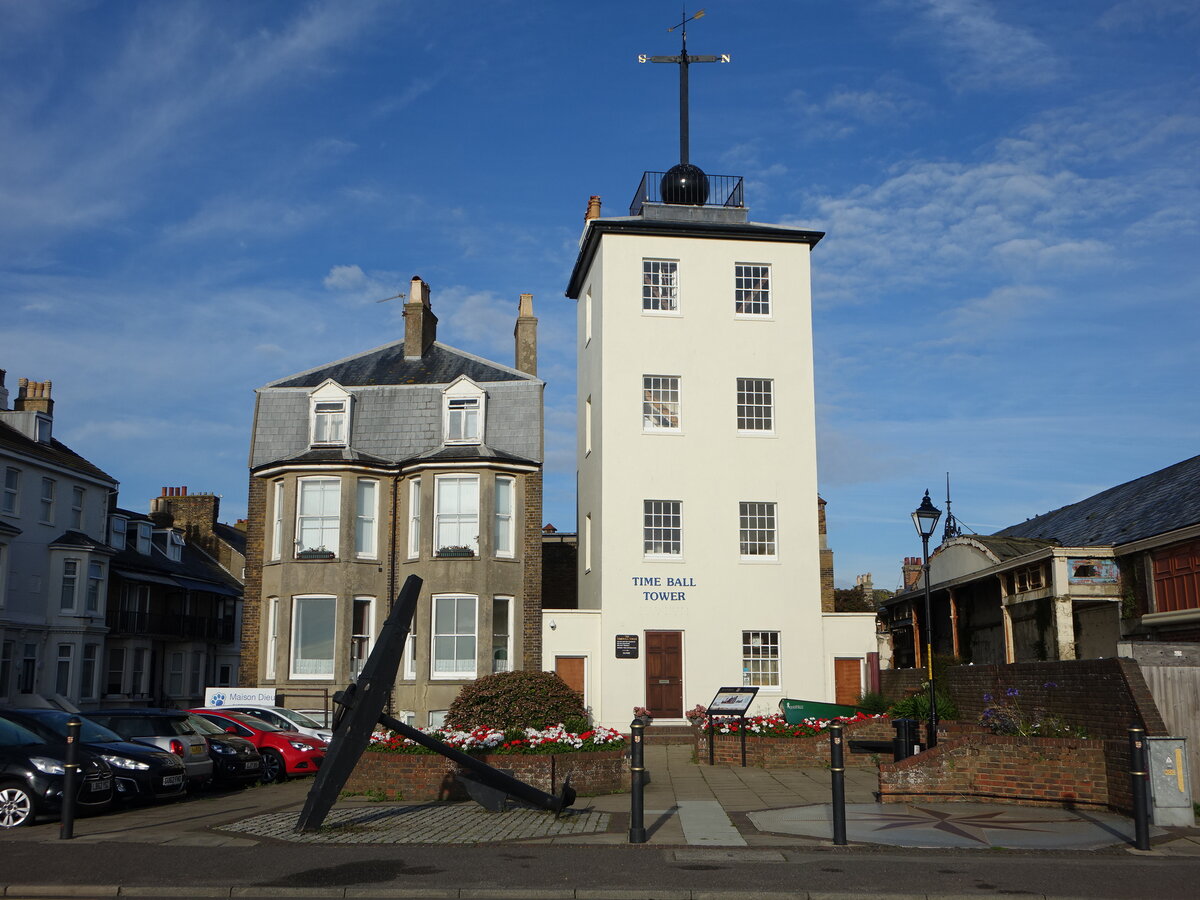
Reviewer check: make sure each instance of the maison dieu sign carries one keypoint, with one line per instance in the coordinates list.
(669, 588)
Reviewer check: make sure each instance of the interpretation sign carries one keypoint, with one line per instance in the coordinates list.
(627, 646)
(732, 701)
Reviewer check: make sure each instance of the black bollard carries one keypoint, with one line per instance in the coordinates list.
(1139, 774)
(637, 768)
(906, 736)
(837, 769)
(711, 748)
(742, 732)
(66, 825)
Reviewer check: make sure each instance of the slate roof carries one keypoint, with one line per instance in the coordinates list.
(1010, 547)
(79, 540)
(1153, 504)
(194, 566)
(386, 365)
(336, 454)
(54, 452)
(471, 451)
(234, 537)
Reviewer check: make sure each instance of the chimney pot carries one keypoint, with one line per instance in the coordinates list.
(593, 208)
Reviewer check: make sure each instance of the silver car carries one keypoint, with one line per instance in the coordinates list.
(166, 729)
(287, 719)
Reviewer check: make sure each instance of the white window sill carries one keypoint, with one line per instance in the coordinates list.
(756, 434)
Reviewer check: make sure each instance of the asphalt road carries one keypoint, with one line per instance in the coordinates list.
(640, 870)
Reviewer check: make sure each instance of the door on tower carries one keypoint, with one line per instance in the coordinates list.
(572, 670)
(664, 674)
(847, 680)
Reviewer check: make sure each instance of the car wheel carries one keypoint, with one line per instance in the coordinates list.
(16, 805)
(273, 769)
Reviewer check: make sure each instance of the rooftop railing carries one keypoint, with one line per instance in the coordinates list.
(723, 190)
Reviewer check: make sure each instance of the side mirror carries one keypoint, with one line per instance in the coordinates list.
(231, 730)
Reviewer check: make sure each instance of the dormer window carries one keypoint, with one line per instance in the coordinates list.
(463, 413)
(43, 429)
(330, 416)
(116, 536)
(145, 534)
(174, 546)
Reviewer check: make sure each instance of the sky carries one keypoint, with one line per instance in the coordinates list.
(197, 198)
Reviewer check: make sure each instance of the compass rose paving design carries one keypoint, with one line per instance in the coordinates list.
(934, 825)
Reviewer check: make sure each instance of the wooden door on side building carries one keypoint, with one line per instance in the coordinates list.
(664, 674)
(573, 670)
(847, 680)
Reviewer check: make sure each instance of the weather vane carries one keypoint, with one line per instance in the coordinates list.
(683, 61)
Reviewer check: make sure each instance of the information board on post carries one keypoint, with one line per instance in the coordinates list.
(732, 703)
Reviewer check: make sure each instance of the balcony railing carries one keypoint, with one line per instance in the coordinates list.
(723, 190)
(167, 625)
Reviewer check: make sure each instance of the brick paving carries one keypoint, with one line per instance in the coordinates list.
(428, 823)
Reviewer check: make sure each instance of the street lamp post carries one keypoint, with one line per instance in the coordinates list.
(925, 518)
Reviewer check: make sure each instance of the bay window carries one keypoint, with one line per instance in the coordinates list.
(318, 514)
(454, 637)
(312, 636)
(505, 499)
(456, 522)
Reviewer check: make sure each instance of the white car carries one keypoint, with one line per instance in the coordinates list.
(287, 719)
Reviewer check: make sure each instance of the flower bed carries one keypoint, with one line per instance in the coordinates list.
(394, 767)
(771, 743)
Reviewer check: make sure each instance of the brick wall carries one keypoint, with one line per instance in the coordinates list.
(896, 684)
(408, 776)
(1103, 696)
(825, 558)
(1030, 771)
(256, 505)
(531, 618)
(783, 752)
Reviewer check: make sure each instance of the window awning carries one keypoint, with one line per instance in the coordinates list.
(147, 577)
(211, 587)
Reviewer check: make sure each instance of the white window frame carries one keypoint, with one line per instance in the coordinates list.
(459, 399)
(114, 654)
(660, 287)
(414, 518)
(137, 671)
(587, 543)
(94, 592)
(409, 672)
(145, 537)
(461, 522)
(174, 546)
(755, 407)
(759, 650)
(298, 603)
(322, 485)
(68, 597)
(752, 290)
(459, 670)
(363, 639)
(329, 415)
(277, 520)
(662, 403)
(587, 427)
(63, 669)
(87, 671)
(504, 525)
(118, 530)
(12, 492)
(78, 497)
(507, 633)
(177, 673)
(758, 530)
(47, 501)
(272, 648)
(366, 518)
(658, 529)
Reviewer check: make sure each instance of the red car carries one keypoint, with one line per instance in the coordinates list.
(284, 753)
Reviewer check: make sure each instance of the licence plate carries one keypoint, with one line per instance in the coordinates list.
(172, 780)
(251, 765)
(104, 785)
(198, 750)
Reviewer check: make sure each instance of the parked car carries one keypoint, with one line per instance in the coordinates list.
(284, 753)
(235, 760)
(140, 772)
(287, 719)
(31, 777)
(166, 729)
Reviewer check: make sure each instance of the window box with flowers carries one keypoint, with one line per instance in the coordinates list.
(462, 552)
(315, 553)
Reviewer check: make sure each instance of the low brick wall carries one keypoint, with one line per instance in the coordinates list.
(1001, 769)
(422, 776)
(792, 752)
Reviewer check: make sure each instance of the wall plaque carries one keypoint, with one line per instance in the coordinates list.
(627, 646)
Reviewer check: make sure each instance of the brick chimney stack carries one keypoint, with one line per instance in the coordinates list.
(911, 572)
(195, 514)
(34, 396)
(593, 208)
(3, 391)
(525, 335)
(825, 553)
(420, 324)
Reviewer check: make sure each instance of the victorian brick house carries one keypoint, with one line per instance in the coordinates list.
(413, 457)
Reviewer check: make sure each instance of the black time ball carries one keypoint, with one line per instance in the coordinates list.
(685, 184)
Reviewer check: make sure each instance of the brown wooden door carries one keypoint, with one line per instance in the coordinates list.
(664, 674)
(571, 670)
(847, 680)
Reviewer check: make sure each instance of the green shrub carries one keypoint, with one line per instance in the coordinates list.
(916, 706)
(872, 702)
(510, 700)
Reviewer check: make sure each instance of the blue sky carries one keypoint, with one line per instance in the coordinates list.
(198, 198)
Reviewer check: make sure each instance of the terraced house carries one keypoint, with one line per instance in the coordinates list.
(413, 457)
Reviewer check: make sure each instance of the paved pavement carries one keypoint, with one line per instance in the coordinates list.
(702, 817)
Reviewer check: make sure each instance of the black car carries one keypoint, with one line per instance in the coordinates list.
(165, 729)
(235, 760)
(141, 773)
(31, 777)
